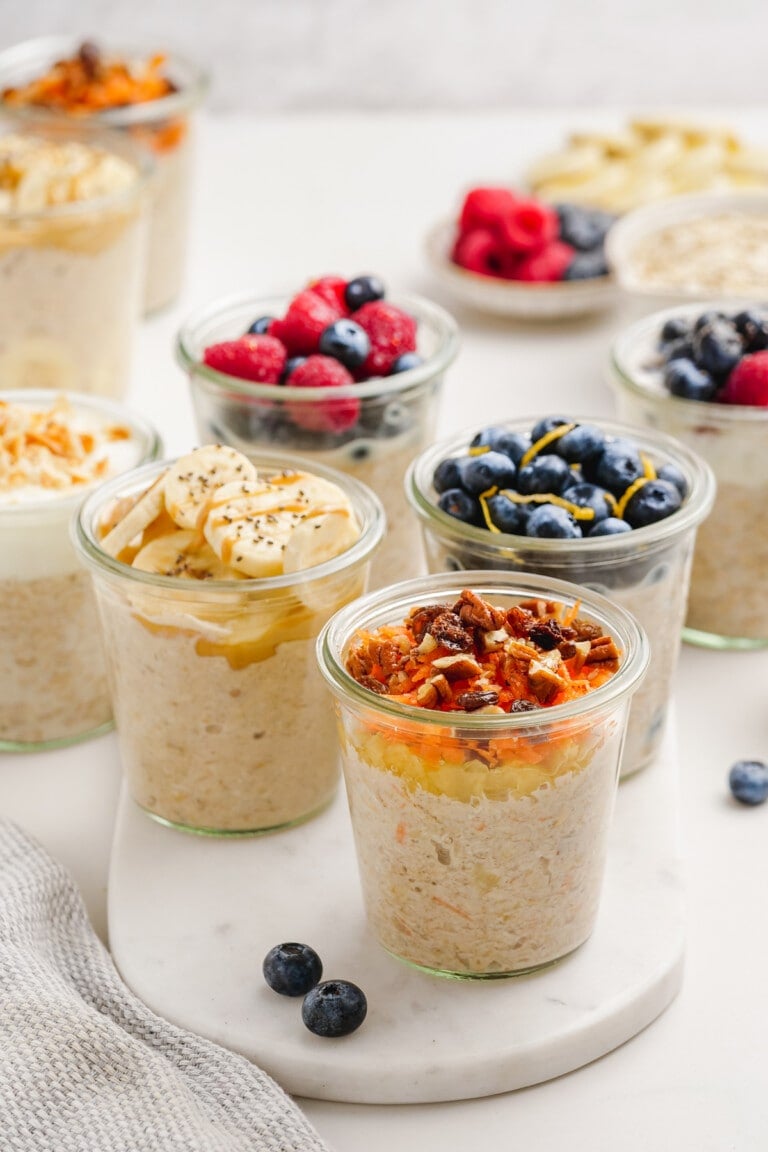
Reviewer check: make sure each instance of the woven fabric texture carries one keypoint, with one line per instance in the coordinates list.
(85, 1066)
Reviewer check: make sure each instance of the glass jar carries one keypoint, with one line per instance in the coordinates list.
(481, 838)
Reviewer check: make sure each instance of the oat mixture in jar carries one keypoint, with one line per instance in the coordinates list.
(721, 254)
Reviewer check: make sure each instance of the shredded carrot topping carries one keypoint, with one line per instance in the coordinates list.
(91, 82)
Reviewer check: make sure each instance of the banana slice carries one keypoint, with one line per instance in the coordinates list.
(184, 553)
(318, 539)
(574, 161)
(192, 480)
(146, 509)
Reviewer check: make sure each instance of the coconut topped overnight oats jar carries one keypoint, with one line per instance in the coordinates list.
(481, 726)
(150, 96)
(260, 379)
(53, 451)
(583, 499)
(214, 575)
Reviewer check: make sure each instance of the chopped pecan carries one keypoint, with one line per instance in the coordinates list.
(602, 648)
(543, 675)
(426, 695)
(494, 640)
(584, 630)
(519, 620)
(359, 664)
(442, 686)
(457, 667)
(471, 701)
(389, 656)
(373, 684)
(478, 613)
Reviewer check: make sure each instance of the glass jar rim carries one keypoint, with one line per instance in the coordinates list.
(50, 48)
(699, 475)
(150, 437)
(379, 386)
(366, 504)
(620, 375)
(394, 603)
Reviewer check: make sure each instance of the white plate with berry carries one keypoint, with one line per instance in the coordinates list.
(514, 256)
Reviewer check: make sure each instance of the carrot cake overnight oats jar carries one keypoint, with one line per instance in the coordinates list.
(214, 576)
(354, 388)
(53, 681)
(601, 504)
(152, 97)
(481, 726)
(72, 235)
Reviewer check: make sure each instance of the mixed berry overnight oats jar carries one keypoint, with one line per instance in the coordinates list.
(480, 773)
(72, 246)
(222, 718)
(395, 414)
(728, 601)
(150, 98)
(53, 680)
(645, 570)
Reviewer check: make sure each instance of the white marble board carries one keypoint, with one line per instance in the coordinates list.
(191, 918)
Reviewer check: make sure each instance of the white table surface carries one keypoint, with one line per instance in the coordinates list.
(277, 201)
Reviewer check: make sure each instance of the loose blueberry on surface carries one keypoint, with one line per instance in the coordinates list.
(673, 475)
(551, 521)
(292, 969)
(459, 504)
(479, 473)
(508, 516)
(587, 266)
(260, 327)
(583, 228)
(405, 362)
(611, 526)
(653, 502)
(291, 366)
(748, 781)
(511, 444)
(618, 466)
(543, 474)
(684, 379)
(582, 444)
(717, 348)
(752, 326)
(346, 342)
(334, 1008)
(548, 424)
(675, 328)
(363, 290)
(447, 475)
(589, 496)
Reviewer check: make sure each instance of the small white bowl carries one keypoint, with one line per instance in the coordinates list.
(633, 230)
(514, 298)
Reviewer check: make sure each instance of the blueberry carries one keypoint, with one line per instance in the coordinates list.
(676, 328)
(748, 781)
(582, 444)
(549, 520)
(479, 473)
(548, 424)
(752, 326)
(260, 326)
(458, 503)
(709, 317)
(681, 349)
(334, 1008)
(654, 501)
(548, 474)
(512, 444)
(587, 266)
(684, 379)
(405, 362)
(394, 419)
(363, 290)
(291, 366)
(673, 475)
(583, 228)
(447, 475)
(507, 515)
(292, 969)
(346, 342)
(618, 466)
(611, 526)
(590, 496)
(717, 348)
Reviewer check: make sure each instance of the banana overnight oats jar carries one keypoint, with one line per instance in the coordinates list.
(214, 575)
(481, 725)
(53, 681)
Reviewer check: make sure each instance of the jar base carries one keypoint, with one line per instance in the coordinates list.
(701, 639)
(58, 742)
(234, 833)
(448, 974)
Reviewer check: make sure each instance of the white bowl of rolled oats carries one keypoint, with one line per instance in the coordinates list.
(708, 246)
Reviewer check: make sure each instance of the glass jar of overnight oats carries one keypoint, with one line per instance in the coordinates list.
(728, 600)
(645, 570)
(211, 595)
(72, 234)
(397, 414)
(481, 762)
(150, 98)
(53, 682)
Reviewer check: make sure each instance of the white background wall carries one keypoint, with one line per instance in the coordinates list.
(311, 54)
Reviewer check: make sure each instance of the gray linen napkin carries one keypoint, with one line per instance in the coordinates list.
(85, 1066)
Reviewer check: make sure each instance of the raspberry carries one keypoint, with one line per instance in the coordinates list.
(546, 265)
(485, 208)
(748, 382)
(478, 251)
(260, 359)
(390, 331)
(325, 415)
(529, 226)
(331, 289)
(307, 317)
